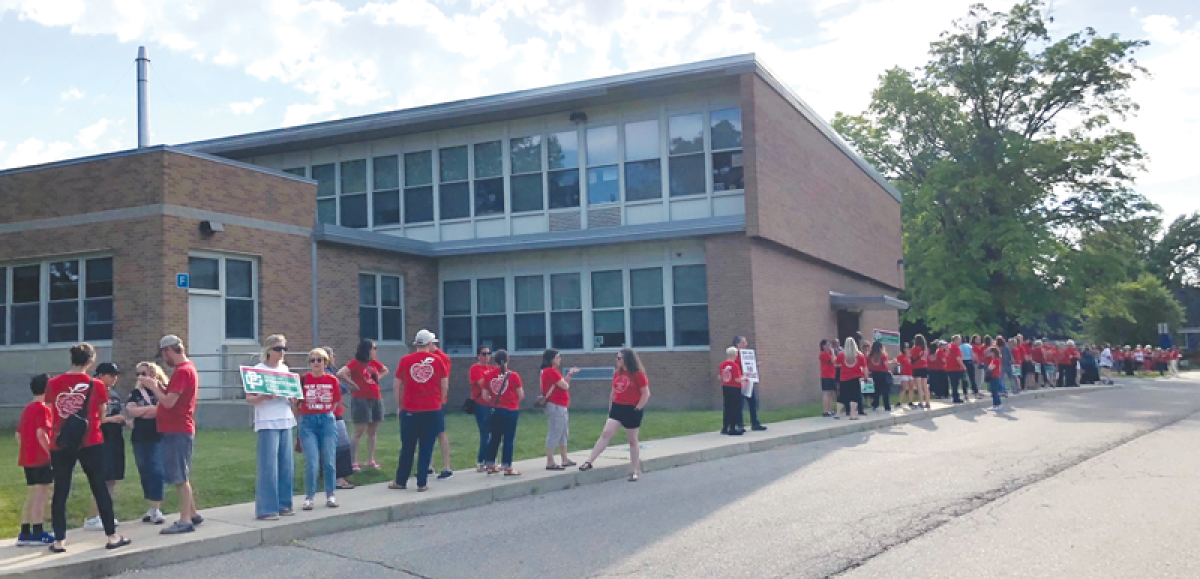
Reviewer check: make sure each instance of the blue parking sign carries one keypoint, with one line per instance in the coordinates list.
(182, 280)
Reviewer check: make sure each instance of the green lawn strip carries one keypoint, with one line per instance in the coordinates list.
(224, 470)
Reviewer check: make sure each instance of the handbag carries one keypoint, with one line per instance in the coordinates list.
(75, 425)
(468, 405)
(543, 399)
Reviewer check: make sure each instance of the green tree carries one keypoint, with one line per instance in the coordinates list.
(1129, 312)
(1004, 148)
(1175, 258)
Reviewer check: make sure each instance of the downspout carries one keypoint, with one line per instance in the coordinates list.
(315, 310)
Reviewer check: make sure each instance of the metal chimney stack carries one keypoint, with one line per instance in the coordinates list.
(143, 103)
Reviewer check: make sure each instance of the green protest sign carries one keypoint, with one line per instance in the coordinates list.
(888, 338)
(259, 381)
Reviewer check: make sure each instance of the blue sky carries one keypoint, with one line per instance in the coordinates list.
(220, 67)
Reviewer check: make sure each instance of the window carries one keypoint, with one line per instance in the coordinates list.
(3, 306)
(297, 171)
(691, 305)
(491, 323)
(456, 315)
(235, 280)
(608, 309)
(647, 316)
(76, 298)
(604, 183)
(380, 307)
(530, 318)
(562, 157)
(353, 198)
(418, 187)
(98, 302)
(566, 316)
(26, 304)
(643, 167)
(525, 153)
(454, 191)
(727, 150)
(686, 148)
(63, 313)
(489, 179)
(385, 190)
(326, 178)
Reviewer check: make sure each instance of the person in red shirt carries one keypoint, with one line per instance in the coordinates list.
(853, 366)
(475, 374)
(322, 393)
(556, 394)
(993, 363)
(443, 437)
(1050, 352)
(1067, 358)
(935, 358)
(1037, 354)
(72, 396)
(421, 385)
(829, 382)
(630, 394)
(881, 375)
(956, 369)
(343, 460)
(177, 425)
(33, 455)
(920, 369)
(503, 391)
(366, 400)
(1173, 359)
(732, 381)
(907, 391)
(978, 375)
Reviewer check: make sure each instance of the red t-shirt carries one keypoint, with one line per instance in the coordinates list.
(421, 374)
(509, 400)
(828, 370)
(936, 359)
(917, 355)
(66, 393)
(954, 359)
(550, 377)
(851, 372)
(476, 374)
(731, 374)
(906, 365)
(1050, 353)
(627, 389)
(1018, 354)
(321, 394)
(977, 351)
(366, 377)
(1038, 355)
(180, 419)
(882, 366)
(1068, 356)
(993, 366)
(35, 417)
(445, 358)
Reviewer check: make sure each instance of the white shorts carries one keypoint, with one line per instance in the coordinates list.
(904, 379)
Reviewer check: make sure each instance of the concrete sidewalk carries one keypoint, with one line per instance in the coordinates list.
(232, 528)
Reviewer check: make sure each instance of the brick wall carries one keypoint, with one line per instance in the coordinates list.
(209, 185)
(730, 301)
(806, 194)
(87, 187)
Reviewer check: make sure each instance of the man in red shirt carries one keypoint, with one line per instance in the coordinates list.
(421, 386)
(177, 424)
(33, 455)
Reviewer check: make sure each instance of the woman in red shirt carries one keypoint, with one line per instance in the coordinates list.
(503, 392)
(67, 394)
(322, 393)
(906, 380)
(956, 370)
(475, 375)
(829, 382)
(366, 401)
(630, 394)
(935, 360)
(920, 368)
(556, 389)
(853, 366)
(881, 375)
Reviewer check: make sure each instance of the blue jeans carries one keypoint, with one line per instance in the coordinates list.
(504, 429)
(273, 487)
(995, 386)
(481, 420)
(318, 438)
(150, 462)
(418, 433)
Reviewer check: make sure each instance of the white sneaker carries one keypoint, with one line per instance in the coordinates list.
(331, 502)
(93, 524)
(308, 504)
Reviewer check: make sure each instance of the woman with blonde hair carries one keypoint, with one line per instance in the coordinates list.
(273, 422)
(853, 365)
(142, 407)
(322, 393)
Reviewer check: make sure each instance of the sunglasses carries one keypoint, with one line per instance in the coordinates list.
(280, 348)
(315, 360)
(144, 374)
(485, 353)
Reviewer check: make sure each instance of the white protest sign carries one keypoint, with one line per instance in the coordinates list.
(749, 370)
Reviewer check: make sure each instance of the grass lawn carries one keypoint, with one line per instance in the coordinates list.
(223, 465)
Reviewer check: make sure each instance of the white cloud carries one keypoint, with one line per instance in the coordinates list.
(35, 152)
(71, 94)
(88, 135)
(246, 108)
(26, 79)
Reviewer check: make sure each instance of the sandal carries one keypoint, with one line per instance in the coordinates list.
(56, 549)
(354, 467)
(512, 472)
(852, 417)
(375, 465)
(422, 489)
(585, 466)
(555, 467)
(492, 469)
(345, 486)
(633, 477)
(121, 543)
(397, 487)
(567, 463)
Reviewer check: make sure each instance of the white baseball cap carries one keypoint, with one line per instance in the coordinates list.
(424, 338)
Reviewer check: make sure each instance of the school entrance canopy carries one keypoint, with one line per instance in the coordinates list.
(841, 301)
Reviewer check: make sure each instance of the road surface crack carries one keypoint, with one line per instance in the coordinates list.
(308, 547)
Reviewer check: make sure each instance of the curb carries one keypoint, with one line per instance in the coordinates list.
(235, 533)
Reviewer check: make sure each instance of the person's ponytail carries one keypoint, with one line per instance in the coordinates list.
(500, 357)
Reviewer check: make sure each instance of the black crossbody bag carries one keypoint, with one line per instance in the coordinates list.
(75, 425)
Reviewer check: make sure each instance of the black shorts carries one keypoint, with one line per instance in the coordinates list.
(1027, 369)
(38, 475)
(829, 385)
(114, 458)
(850, 391)
(629, 416)
(920, 372)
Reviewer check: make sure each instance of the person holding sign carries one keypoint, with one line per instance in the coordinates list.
(853, 367)
(751, 402)
(881, 376)
(732, 381)
(273, 422)
(322, 393)
(421, 386)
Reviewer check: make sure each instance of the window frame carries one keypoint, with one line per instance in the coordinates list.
(377, 277)
(222, 289)
(43, 302)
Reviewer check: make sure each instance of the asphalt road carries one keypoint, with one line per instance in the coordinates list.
(1096, 485)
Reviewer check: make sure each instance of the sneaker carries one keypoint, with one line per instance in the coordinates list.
(177, 528)
(286, 512)
(736, 432)
(994, 409)
(445, 475)
(431, 471)
(93, 524)
(154, 516)
(758, 427)
(45, 539)
(331, 502)
(308, 505)
(196, 520)
(271, 517)
(24, 540)
(480, 467)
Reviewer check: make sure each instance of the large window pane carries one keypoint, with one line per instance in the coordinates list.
(727, 171)
(27, 284)
(687, 175)
(489, 196)
(648, 327)
(366, 290)
(64, 322)
(26, 323)
(325, 176)
(491, 296)
(64, 280)
(526, 154)
(562, 150)
(418, 205)
(297, 171)
(203, 273)
(385, 172)
(531, 331)
(691, 325)
(456, 298)
(641, 141)
(606, 290)
(386, 207)
(3, 308)
(608, 329)
(604, 185)
(457, 333)
(327, 211)
(643, 180)
(389, 291)
(530, 293)
(239, 278)
(354, 176)
(455, 200)
(239, 319)
(97, 319)
(527, 192)
(368, 323)
(726, 129)
(565, 291)
(99, 279)
(691, 284)
(354, 211)
(602, 146)
(686, 134)
(564, 189)
(487, 160)
(418, 169)
(646, 287)
(393, 324)
(452, 164)
(566, 330)
(493, 332)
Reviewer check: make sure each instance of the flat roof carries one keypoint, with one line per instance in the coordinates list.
(152, 149)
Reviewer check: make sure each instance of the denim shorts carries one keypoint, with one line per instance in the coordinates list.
(177, 457)
(366, 410)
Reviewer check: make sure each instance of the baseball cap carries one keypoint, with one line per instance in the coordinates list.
(169, 340)
(107, 369)
(424, 338)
